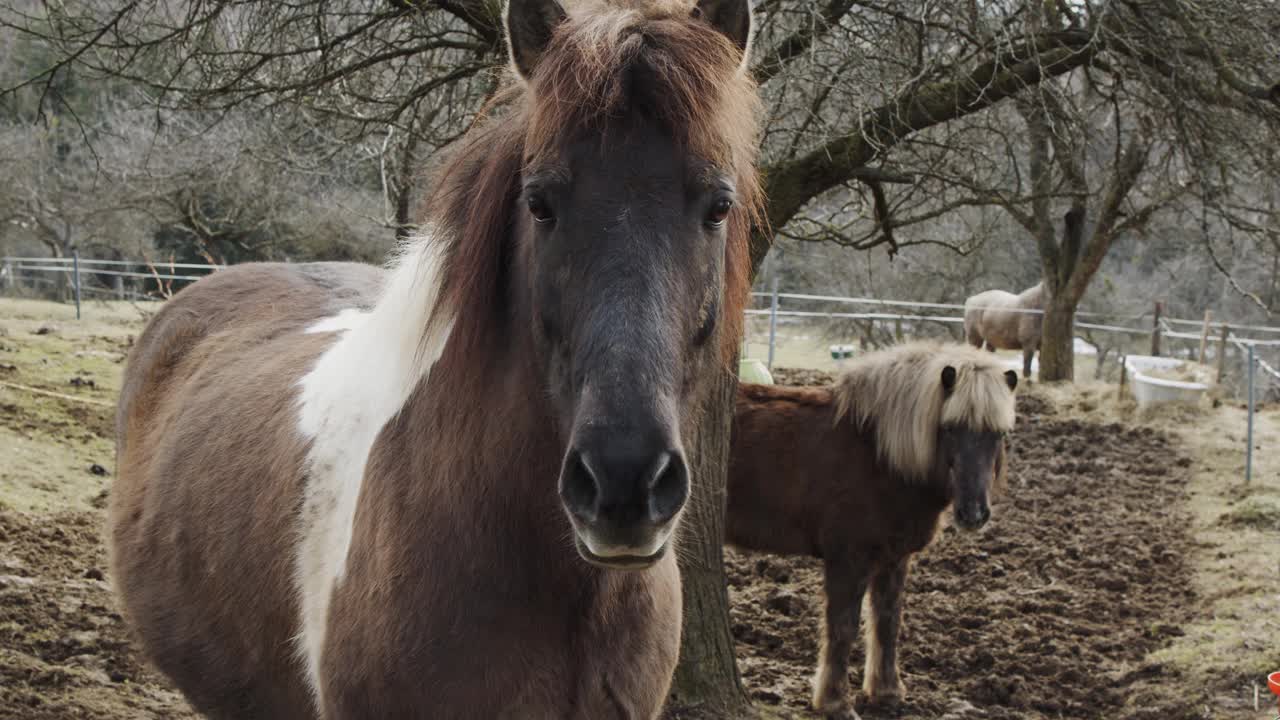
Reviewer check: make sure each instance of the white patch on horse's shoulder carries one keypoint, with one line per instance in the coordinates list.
(356, 386)
(347, 319)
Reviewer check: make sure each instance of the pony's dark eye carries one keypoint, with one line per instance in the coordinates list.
(540, 210)
(719, 211)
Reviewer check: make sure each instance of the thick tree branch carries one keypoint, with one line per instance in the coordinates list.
(1224, 71)
(1126, 174)
(880, 204)
(791, 184)
(485, 18)
(800, 41)
(1041, 223)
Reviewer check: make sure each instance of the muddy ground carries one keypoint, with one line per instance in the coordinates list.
(64, 650)
(1048, 613)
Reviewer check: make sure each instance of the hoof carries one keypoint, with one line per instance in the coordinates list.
(832, 704)
(842, 710)
(885, 693)
(831, 696)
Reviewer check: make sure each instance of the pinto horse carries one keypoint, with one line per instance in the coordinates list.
(995, 319)
(858, 475)
(450, 489)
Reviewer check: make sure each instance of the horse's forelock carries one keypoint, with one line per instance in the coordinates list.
(686, 75)
(899, 393)
(693, 84)
(981, 399)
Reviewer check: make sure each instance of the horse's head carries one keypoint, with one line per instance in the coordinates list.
(630, 236)
(971, 459)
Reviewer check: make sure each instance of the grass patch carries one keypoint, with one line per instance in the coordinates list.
(50, 445)
(1253, 512)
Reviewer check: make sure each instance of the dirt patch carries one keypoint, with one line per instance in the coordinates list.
(64, 650)
(802, 376)
(60, 419)
(1048, 613)
(1051, 612)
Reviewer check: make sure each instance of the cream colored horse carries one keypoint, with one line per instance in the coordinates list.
(997, 320)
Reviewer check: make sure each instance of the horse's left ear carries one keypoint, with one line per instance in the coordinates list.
(530, 25)
(948, 378)
(1011, 377)
(731, 18)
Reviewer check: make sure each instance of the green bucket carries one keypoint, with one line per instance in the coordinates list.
(841, 352)
(754, 371)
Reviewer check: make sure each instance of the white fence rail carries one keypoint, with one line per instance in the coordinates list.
(30, 270)
(14, 270)
(775, 310)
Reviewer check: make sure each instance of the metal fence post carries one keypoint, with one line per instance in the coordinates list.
(1155, 332)
(1248, 455)
(773, 320)
(75, 265)
(1222, 351)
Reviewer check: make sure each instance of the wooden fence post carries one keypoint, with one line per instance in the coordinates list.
(1155, 332)
(1204, 334)
(1222, 350)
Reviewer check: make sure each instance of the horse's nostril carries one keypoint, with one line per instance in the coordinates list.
(624, 485)
(669, 488)
(579, 488)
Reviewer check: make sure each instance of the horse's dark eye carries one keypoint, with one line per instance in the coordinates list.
(719, 211)
(540, 210)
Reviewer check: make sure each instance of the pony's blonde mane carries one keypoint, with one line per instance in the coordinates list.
(898, 394)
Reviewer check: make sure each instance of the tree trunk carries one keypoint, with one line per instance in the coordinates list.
(707, 684)
(1057, 340)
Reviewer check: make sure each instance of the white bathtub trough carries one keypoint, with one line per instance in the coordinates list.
(1150, 390)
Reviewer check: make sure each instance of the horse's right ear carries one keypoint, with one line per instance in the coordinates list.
(948, 378)
(731, 18)
(1011, 377)
(530, 25)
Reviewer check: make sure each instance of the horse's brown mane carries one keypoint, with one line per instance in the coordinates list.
(692, 84)
(805, 396)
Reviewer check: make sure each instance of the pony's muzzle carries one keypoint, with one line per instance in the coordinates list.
(623, 492)
(972, 515)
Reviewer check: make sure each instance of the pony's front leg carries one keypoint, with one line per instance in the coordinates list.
(880, 680)
(1027, 355)
(845, 582)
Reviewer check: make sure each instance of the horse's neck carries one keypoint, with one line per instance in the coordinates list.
(480, 435)
(443, 402)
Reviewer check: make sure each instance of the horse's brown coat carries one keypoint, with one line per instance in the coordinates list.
(806, 478)
(462, 594)
(195, 406)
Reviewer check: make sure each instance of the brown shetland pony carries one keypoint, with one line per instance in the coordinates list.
(858, 474)
(350, 493)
